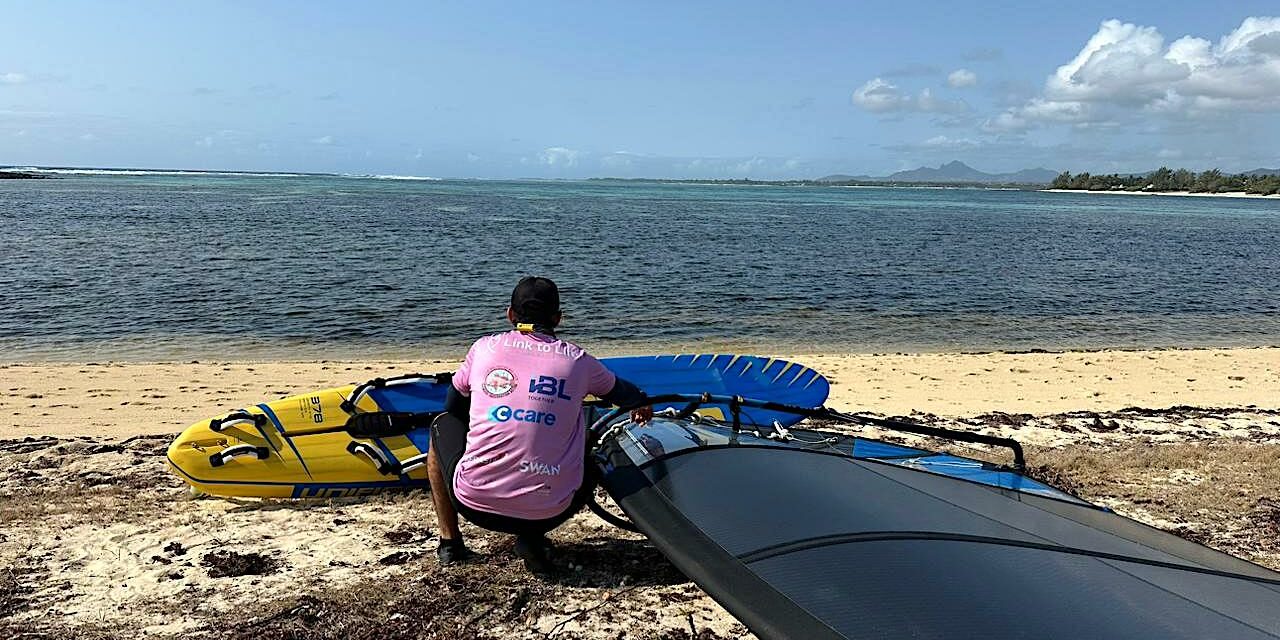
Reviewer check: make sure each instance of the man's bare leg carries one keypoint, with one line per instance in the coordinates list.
(446, 515)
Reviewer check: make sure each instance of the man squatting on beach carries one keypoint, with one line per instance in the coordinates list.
(509, 451)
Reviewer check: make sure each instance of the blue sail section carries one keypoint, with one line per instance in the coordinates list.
(876, 449)
(722, 374)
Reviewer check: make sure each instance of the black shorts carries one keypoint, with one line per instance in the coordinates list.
(449, 441)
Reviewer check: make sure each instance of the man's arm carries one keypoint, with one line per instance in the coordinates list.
(620, 392)
(624, 393)
(458, 405)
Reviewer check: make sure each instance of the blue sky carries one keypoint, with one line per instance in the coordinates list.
(552, 89)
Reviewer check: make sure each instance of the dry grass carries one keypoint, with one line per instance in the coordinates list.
(1223, 494)
(489, 598)
(91, 482)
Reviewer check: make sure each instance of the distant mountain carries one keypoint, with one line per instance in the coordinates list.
(1039, 175)
(954, 171)
(1261, 172)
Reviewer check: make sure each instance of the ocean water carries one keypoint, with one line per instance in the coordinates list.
(182, 267)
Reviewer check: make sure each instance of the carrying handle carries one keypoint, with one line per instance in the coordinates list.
(384, 465)
(240, 450)
(387, 466)
(410, 464)
(239, 416)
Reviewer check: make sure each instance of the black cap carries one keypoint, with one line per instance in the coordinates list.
(536, 300)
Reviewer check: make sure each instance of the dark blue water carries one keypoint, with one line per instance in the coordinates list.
(178, 267)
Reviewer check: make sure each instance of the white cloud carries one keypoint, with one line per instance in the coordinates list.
(205, 142)
(1126, 70)
(962, 78)
(749, 166)
(559, 157)
(879, 96)
(12, 77)
(88, 137)
(928, 103)
(937, 143)
(322, 140)
(618, 159)
(945, 142)
(1057, 110)
(1007, 122)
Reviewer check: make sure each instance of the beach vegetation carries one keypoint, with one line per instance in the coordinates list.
(1166, 180)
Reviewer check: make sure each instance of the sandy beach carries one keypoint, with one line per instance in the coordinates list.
(118, 400)
(99, 540)
(1121, 192)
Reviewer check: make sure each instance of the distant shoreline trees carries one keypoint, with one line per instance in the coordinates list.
(1165, 179)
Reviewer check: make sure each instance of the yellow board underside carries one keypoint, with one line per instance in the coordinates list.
(324, 457)
(328, 467)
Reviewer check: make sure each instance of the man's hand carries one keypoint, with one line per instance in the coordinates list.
(642, 415)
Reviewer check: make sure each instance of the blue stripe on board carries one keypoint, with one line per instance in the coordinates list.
(276, 421)
(267, 438)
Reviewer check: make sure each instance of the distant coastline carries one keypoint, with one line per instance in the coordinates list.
(1194, 194)
(1256, 184)
(880, 183)
(6, 174)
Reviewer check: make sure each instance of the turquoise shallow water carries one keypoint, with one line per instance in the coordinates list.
(188, 267)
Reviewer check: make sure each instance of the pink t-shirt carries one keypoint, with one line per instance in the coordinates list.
(527, 440)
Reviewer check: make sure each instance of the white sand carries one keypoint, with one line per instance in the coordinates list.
(1229, 194)
(120, 400)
